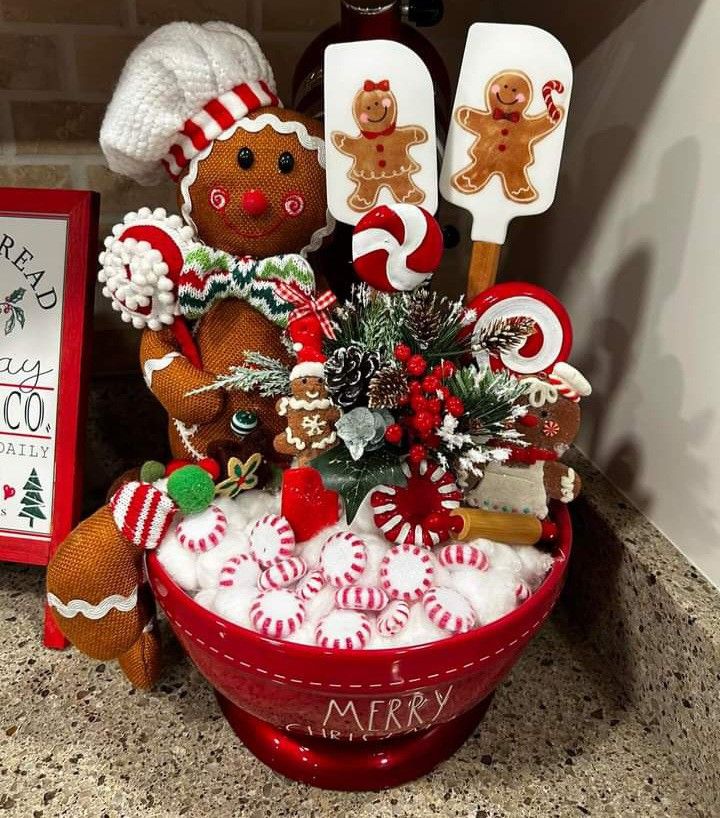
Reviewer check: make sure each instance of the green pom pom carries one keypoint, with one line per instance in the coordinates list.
(191, 488)
(151, 470)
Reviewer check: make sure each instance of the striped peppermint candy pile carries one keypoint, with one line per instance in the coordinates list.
(310, 585)
(283, 573)
(277, 612)
(361, 598)
(142, 513)
(239, 571)
(343, 558)
(343, 630)
(448, 609)
(393, 618)
(463, 554)
(271, 539)
(203, 531)
(406, 571)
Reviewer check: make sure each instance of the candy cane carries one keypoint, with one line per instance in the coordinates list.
(552, 85)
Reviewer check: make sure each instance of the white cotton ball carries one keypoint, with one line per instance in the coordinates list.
(179, 562)
(320, 604)
(256, 504)
(419, 629)
(499, 555)
(237, 519)
(491, 593)
(210, 562)
(364, 522)
(206, 598)
(310, 549)
(304, 635)
(376, 549)
(234, 604)
(535, 565)
(442, 575)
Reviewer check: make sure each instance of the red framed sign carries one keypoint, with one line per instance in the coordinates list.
(47, 261)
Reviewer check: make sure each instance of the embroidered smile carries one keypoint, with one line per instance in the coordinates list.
(251, 234)
(502, 101)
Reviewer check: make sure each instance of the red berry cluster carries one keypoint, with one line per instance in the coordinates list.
(427, 400)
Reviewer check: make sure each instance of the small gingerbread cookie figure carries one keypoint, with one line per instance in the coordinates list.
(534, 474)
(506, 135)
(381, 152)
(309, 411)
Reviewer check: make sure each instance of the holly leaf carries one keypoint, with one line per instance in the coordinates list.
(354, 479)
(10, 323)
(20, 315)
(16, 295)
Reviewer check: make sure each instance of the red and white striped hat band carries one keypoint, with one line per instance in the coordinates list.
(215, 117)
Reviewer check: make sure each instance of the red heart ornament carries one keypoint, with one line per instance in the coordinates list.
(8, 491)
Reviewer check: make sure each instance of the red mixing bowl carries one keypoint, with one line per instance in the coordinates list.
(358, 719)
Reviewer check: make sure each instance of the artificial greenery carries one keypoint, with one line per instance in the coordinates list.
(268, 376)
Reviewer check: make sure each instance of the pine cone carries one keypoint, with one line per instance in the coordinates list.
(348, 372)
(387, 388)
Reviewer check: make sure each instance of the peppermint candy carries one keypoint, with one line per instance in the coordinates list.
(283, 573)
(393, 618)
(464, 554)
(343, 558)
(271, 539)
(448, 609)
(522, 591)
(277, 613)
(142, 513)
(312, 584)
(361, 598)
(406, 572)
(343, 630)
(240, 571)
(203, 531)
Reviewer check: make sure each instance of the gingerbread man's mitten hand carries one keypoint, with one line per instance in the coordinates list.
(171, 377)
(561, 482)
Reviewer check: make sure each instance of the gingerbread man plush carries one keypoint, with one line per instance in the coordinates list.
(251, 191)
(534, 474)
(196, 102)
(505, 136)
(381, 152)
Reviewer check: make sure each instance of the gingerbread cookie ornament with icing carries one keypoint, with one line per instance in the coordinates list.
(505, 136)
(381, 152)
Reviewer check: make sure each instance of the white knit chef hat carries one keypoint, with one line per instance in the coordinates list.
(179, 90)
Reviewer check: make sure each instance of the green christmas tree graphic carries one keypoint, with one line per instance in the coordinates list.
(32, 501)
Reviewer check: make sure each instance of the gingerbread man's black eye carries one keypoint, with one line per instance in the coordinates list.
(245, 158)
(544, 413)
(286, 162)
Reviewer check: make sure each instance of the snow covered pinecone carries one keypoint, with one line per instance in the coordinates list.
(348, 372)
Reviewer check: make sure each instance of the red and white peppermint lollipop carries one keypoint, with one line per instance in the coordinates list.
(361, 598)
(310, 585)
(343, 558)
(203, 531)
(277, 613)
(448, 609)
(401, 512)
(397, 247)
(406, 571)
(464, 554)
(283, 573)
(393, 618)
(271, 539)
(239, 571)
(343, 630)
(551, 340)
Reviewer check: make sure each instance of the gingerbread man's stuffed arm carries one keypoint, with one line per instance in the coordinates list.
(471, 118)
(170, 377)
(561, 482)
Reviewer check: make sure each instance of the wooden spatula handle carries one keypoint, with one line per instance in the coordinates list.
(483, 267)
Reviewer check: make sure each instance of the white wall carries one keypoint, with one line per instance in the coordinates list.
(631, 246)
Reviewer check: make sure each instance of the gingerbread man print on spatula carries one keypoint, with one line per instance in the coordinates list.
(379, 129)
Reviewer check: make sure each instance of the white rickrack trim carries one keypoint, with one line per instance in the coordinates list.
(567, 486)
(153, 365)
(186, 433)
(277, 677)
(79, 606)
(255, 125)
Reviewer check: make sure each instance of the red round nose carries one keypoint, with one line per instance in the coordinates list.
(528, 420)
(254, 202)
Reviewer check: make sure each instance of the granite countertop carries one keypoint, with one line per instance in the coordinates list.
(75, 740)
